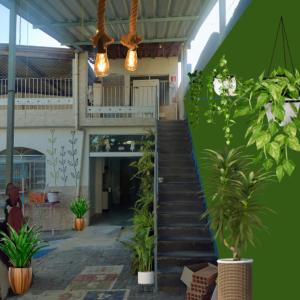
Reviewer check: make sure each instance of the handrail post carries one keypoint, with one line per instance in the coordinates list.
(155, 204)
(11, 93)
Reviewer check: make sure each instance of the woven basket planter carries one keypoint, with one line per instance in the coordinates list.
(235, 279)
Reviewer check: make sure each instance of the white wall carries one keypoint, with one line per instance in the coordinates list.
(38, 139)
(147, 66)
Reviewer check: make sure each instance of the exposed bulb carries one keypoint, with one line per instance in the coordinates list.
(101, 67)
(131, 60)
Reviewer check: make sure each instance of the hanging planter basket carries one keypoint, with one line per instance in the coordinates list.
(291, 108)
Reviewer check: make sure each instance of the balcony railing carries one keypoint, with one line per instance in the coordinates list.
(112, 103)
(39, 93)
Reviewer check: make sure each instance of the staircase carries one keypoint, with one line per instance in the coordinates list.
(183, 238)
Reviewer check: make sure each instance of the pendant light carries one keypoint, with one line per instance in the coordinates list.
(101, 41)
(132, 40)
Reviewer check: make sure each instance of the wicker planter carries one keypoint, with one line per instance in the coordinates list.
(79, 224)
(20, 279)
(235, 279)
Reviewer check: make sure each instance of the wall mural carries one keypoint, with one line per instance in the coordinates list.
(52, 154)
(64, 164)
(74, 161)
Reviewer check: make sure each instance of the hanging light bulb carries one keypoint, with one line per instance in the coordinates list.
(131, 60)
(101, 40)
(101, 67)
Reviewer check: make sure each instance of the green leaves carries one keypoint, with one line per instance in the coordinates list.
(293, 143)
(79, 207)
(274, 150)
(234, 184)
(280, 172)
(290, 129)
(20, 247)
(288, 166)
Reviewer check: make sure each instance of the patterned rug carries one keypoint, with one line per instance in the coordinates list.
(81, 295)
(96, 278)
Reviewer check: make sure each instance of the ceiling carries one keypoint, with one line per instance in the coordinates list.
(72, 22)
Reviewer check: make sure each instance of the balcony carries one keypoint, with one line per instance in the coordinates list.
(39, 102)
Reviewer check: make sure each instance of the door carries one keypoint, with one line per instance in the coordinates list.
(145, 92)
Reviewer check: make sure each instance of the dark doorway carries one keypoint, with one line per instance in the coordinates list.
(119, 191)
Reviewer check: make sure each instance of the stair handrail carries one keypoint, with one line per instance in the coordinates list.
(155, 190)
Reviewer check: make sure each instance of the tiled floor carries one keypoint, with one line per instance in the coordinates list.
(88, 265)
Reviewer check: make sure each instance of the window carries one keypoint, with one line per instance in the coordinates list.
(29, 167)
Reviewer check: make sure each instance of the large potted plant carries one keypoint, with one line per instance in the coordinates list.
(79, 208)
(20, 248)
(141, 244)
(235, 216)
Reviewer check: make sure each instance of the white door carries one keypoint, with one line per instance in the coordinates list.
(145, 92)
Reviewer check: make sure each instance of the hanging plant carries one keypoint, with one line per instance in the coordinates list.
(275, 135)
(221, 90)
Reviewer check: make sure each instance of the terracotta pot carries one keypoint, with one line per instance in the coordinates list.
(20, 279)
(79, 224)
(235, 279)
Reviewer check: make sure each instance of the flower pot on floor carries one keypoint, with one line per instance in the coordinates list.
(79, 224)
(20, 279)
(146, 278)
(235, 279)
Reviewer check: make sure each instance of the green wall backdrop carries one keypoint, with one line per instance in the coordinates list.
(248, 50)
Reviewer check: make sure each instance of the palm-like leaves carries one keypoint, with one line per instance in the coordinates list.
(79, 207)
(234, 211)
(20, 247)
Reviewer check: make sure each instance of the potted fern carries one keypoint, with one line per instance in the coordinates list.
(20, 248)
(235, 216)
(79, 208)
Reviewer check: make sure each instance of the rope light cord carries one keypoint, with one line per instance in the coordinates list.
(132, 40)
(101, 40)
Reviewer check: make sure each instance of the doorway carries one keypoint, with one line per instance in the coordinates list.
(113, 190)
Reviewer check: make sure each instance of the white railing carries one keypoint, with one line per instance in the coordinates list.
(111, 102)
(39, 93)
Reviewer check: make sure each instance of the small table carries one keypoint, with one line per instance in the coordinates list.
(51, 206)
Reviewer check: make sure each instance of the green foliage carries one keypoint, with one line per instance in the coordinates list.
(53, 159)
(79, 207)
(272, 139)
(142, 243)
(234, 210)
(20, 247)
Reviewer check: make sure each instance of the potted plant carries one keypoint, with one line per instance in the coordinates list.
(272, 103)
(20, 248)
(79, 208)
(235, 215)
(141, 244)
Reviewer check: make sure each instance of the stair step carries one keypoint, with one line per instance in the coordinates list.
(181, 187)
(194, 243)
(179, 196)
(179, 179)
(167, 232)
(166, 262)
(170, 281)
(180, 219)
(176, 206)
(174, 148)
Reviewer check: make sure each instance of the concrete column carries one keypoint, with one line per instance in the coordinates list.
(83, 84)
(184, 81)
(11, 92)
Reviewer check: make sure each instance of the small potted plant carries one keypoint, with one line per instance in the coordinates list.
(79, 208)
(235, 215)
(20, 248)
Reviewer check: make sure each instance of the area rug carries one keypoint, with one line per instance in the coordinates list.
(80, 295)
(96, 278)
(107, 295)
